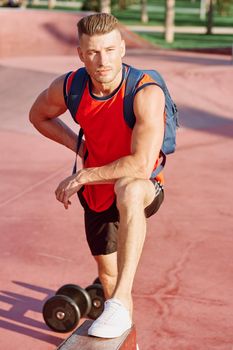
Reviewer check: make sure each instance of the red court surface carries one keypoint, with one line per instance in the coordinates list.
(184, 283)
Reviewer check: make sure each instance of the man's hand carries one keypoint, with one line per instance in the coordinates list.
(66, 189)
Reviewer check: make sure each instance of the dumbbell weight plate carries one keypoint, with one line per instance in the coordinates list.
(96, 294)
(78, 295)
(97, 281)
(61, 313)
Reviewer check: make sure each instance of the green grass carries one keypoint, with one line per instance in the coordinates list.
(179, 3)
(156, 11)
(131, 15)
(190, 41)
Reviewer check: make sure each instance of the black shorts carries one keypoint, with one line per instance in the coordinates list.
(101, 227)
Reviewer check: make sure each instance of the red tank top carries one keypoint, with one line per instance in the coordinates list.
(107, 136)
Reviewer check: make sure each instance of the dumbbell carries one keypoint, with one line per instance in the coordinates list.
(63, 311)
(96, 294)
(97, 281)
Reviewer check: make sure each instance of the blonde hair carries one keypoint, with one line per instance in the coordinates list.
(99, 23)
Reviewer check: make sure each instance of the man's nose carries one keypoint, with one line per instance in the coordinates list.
(103, 58)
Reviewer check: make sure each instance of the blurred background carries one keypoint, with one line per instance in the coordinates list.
(180, 24)
(183, 287)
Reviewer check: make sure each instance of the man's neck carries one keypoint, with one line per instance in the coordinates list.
(104, 89)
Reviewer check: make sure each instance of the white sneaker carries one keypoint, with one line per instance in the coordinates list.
(113, 322)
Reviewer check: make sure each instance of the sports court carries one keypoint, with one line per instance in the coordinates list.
(183, 288)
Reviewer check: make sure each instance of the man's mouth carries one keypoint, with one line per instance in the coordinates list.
(103, 70)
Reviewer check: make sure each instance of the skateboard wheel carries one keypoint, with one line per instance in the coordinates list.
(78, 295)
(61, 313)
(96, 294)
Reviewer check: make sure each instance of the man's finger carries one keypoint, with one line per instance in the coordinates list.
(60, 194)
(66, 199)
(66, 205)
(56, 193)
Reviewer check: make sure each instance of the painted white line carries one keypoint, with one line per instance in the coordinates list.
(54, 257)
(31, 188)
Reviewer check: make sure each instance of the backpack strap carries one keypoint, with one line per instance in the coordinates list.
(161, 165)
(79, 142)
(132, 80)
(65, 87)
(75, 93)
(73, 99)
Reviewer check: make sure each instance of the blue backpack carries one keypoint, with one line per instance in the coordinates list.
(133, 76)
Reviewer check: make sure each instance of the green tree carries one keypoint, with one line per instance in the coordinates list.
(97, 5)
(122, 4)
(144, 12)
(105, 6)
(210, 16)
(224, 7)
(169, 21)
(91, 5)
(51, 4)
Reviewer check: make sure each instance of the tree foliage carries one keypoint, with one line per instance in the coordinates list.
(91, 5)
(144, 12)
(224, 7)
(169, 20)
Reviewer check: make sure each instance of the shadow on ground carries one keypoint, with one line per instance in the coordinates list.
(20, 305)
(178, 56)
(197, 119)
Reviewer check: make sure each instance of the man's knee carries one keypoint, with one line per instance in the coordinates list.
(129, 191)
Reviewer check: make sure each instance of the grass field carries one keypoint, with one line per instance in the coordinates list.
(191, 41)
(186, 14)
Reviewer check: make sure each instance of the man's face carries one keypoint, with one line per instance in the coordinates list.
(102, 55)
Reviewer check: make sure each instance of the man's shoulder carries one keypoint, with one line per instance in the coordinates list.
(139, 75)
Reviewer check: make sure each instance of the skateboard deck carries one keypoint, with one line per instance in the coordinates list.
(79, 340)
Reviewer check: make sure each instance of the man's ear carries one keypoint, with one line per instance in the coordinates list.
(80, 53)
(122, 48)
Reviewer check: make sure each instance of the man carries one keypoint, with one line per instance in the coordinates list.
(114, 186)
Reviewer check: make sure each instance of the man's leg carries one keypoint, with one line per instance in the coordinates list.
(107, 264)
(133, 196)
(107, 270)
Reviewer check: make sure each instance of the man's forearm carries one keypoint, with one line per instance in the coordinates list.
(58, 131)
(124, 167)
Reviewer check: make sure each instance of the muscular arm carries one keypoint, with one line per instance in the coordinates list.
(147, 139)
(45, 111)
